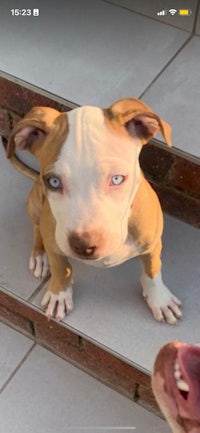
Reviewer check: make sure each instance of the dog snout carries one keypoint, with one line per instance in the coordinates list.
(84, 245)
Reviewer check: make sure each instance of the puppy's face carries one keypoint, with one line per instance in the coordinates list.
(92, 184)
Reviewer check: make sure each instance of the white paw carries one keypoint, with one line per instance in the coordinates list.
(39, 266)
(163, 304)
(58, 305)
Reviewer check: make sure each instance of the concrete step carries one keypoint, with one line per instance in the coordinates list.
(108, 52)
(46, 394)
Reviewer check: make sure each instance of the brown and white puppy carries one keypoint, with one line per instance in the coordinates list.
(91, 200)
(176, 385)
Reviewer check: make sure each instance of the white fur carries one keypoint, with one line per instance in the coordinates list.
(39, 266)
(91, 155)
(60, 303)
(163, 304)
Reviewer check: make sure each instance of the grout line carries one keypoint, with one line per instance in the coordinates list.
(166, 65)
(196, 18)
(17, 368)
(37, 290)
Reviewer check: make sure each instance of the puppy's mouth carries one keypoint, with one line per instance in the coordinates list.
(86, 258)
(180, 366)
(94, 259)
(181, 383)
(187, 378)
(89, 253)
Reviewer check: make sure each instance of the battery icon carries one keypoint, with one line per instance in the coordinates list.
(185, 12)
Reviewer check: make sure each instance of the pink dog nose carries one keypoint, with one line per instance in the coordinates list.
(84, 245)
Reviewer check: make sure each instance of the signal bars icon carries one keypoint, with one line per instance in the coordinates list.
(163, 12)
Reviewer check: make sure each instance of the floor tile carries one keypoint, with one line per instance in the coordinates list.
(16, 231)
(179, 94)
(150, 9)
(14, 347)
(47, 395)
(91, 54)
(110, 310)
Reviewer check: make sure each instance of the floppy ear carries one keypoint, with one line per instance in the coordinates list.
(139, 120)
(30, 132)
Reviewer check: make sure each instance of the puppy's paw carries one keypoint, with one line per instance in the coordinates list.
(58, 305)
(39, 266)
(163, 304)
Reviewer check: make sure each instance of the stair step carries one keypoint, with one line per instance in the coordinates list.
(145, 57)
(53, 395)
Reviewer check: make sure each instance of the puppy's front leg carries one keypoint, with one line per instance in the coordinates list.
(38, 262)
(58, 300)
(162, 302)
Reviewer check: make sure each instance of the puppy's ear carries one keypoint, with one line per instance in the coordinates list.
(30, 132)
(138, 119)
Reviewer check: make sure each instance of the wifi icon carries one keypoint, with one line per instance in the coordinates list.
(173, 11)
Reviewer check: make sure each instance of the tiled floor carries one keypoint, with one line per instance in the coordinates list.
(98, 52)
(41, 392)
(180, 99)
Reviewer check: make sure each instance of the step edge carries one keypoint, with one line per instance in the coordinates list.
(94, 359)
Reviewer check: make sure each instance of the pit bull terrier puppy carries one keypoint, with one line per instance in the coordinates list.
(91, 200)
(176, 385)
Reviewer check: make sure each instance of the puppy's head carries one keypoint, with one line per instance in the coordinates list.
(89, 169)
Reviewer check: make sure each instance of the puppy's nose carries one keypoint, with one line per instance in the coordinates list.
(84, 245)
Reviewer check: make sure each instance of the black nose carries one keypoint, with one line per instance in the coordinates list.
(83, 244)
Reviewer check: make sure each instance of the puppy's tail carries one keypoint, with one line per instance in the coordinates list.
(20, 165)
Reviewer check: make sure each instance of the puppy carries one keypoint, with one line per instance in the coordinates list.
(91, 201)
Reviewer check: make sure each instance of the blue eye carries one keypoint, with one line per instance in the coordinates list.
(54, 182)
(117, 179)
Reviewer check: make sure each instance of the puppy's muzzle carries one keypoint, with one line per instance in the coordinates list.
(85, 245)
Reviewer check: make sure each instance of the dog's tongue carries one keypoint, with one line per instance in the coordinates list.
(189, 361)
